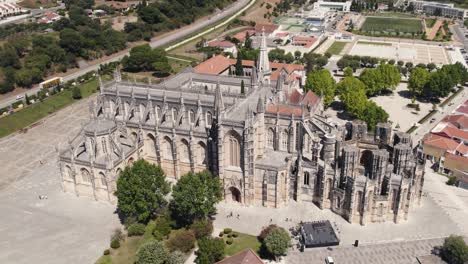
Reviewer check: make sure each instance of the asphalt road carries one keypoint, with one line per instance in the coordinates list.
(159, 42)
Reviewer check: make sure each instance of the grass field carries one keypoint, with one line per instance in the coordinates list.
(430, 22)
(391, 14)
(384, 24)
(336, 47)
(242, 242)
(35, 112)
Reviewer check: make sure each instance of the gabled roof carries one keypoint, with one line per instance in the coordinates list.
(295, 97)
(241, 35)
(460, 121)
(452, 132)
(214, 65)
(451, 156)
(284, 110)
(310, 98)
(462, 109)
(440, 142)
(244, 257)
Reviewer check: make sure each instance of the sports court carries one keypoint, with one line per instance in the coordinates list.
(407, 52)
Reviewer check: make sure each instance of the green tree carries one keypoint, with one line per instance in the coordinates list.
(455, 250)
(373, 114)
(351, 91)
(239, 66)
(242, 88)
(202, 228)
(194, 197)
(162, 68)
(140, 191)
(417, 80)
(181, 239)
(321, 82)
(390, 75)
(210, 250)
(348, 72)
(152, 252)
(277, 242)
(144, 58)
(373, 81)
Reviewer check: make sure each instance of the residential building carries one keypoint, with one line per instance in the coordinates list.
(247, 256)
(435, 8)
(333, 6)
(224, 45)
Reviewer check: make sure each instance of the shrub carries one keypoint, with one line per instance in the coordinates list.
(202, 228)
(221, 234)
(164, 225)
(235, 234)
(227, 230)
(76, 93)
(229, 235)
(117, 234)
(210, 250)
(136, 229)
(176, 257)
(451, 180)
(152, 252)
(106, 252)
(455, 250)
(229, 241)
(115, 244)
(277, 242)
(182, 240)
(265, 231)
(157, 235)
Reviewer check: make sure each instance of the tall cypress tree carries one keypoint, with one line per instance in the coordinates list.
(239, 67)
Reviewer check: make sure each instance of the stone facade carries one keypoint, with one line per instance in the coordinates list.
(269, 144)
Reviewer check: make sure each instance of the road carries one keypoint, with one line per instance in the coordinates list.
(155, 43)
(25, 17)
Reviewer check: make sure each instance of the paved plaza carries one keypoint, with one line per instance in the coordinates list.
(383, 253)
(407, 52)
(61, 229)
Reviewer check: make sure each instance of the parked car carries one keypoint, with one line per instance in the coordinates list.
(19, 97)
(329, 260)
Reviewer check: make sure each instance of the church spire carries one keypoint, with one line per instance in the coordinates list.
(218, 101)
(263, 64)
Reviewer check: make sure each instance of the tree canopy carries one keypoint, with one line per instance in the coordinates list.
(194, 197)
(418, 78)
(210, 250)
(144, 58)
(141, 191)
(152, 252)
(277, 242)
(455, 250)
(321, 82)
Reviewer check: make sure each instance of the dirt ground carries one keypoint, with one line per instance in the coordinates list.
(37, 3)
(256, 12)
(118, 22)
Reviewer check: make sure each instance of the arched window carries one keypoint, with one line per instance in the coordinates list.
(270, 138)
(192, 117)
(184, 151)
(158, 112)
(284, 140)
(201, 153)
(168, 148)
(134, 137)
(150, 145)
(306, 178)
(68, 172)
(174, 113)
(209, 118)
(102, 177)
(85, 176)
(232, 146)
(104, 145)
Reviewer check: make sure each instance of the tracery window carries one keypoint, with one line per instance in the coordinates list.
(306, 178)
(184, 151)
(270, 138)
(85, 176)
(284, 141)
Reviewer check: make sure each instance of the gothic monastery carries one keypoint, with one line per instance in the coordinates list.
(265, 138)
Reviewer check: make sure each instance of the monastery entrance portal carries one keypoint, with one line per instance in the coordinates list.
(235, 194)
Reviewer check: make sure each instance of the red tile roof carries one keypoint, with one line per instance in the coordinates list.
(451, 156)
(295, 97)
(241, 35)
(214, 65)
(244, 257)
(269, 28)
(282, 34)
(310, 98)
(284, 110)
(460, 121)
(452, 132)
(462, 149)
(307, 42)
(462, 109)
(440, 142)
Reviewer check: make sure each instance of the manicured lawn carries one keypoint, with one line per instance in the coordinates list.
(375, 43)
(430, 22)
(392, 14)
(384, 24)
(336, 47)
(35, 112)
(242, 242)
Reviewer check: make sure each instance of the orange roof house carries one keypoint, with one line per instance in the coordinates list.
(459, 121)
(269, 28)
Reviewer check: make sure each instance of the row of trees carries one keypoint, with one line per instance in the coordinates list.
(436, 84)
(25, 60)
(352, 93)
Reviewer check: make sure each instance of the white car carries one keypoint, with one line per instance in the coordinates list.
(329, 260)
(19, 97)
